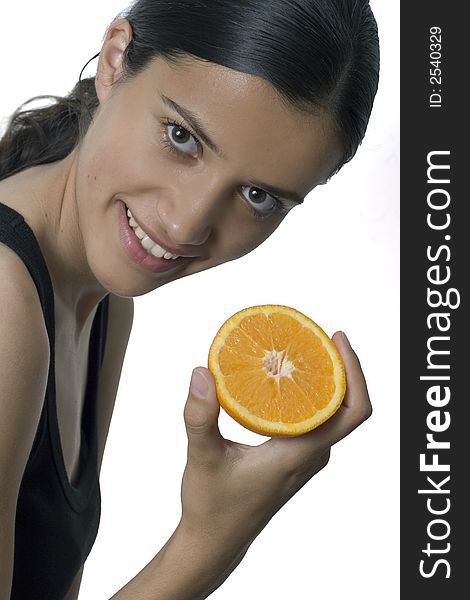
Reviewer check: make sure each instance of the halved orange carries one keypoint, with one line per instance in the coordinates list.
(276, 371)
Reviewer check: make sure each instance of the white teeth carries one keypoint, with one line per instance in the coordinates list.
(156, 250)
(139, 233)
(147, 243)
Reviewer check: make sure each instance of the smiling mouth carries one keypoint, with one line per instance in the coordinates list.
(147, 243)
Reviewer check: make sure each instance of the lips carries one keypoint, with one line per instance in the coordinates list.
(147, 243)
(139, 255)
(180, 252)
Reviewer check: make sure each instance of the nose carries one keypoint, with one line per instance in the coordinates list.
(190, 213)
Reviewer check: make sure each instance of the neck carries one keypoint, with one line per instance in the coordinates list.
(49, 202)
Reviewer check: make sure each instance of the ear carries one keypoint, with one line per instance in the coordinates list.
(117, 38)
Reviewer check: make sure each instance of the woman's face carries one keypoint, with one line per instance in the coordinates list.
(209, 199)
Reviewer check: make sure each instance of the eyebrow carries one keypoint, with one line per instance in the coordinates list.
(201, 132)
(195, 123)
(293, 196)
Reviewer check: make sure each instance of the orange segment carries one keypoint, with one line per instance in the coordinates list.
(276, 371)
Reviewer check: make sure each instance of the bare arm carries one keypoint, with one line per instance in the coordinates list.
(230, 491)
(24, 364)
(189, 567)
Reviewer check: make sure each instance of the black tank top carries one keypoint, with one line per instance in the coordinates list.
(56, 523)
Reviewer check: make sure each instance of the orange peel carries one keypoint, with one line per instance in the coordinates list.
(276, 371)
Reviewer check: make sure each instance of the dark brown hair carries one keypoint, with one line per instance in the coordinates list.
(318, 54)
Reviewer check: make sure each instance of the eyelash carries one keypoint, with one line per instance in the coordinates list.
(280, 207)
(167, 143)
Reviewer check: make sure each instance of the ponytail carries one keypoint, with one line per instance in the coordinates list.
(48, 134)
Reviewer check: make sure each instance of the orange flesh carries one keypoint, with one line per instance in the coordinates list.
(287, 387)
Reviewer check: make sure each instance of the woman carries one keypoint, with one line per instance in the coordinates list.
(205, 125)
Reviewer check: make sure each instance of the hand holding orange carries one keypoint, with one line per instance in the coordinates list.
(276, 371)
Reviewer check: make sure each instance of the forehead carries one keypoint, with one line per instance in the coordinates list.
(248, 119)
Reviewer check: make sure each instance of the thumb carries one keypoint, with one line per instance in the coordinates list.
(202, 410)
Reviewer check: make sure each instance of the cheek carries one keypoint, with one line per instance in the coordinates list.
(121, 159)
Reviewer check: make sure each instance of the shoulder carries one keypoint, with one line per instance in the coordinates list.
(23, 332)
(14, 274)
(20, 306)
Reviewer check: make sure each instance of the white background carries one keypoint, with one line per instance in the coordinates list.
(335, 259)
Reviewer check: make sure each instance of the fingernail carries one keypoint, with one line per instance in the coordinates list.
(199, 384)
(346, 339)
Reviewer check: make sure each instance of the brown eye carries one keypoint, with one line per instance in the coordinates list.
(259, 200)
(180, 135)
(182, 140)
(256, 195)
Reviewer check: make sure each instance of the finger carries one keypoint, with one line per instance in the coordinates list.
(201, 414)
(354, 375)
